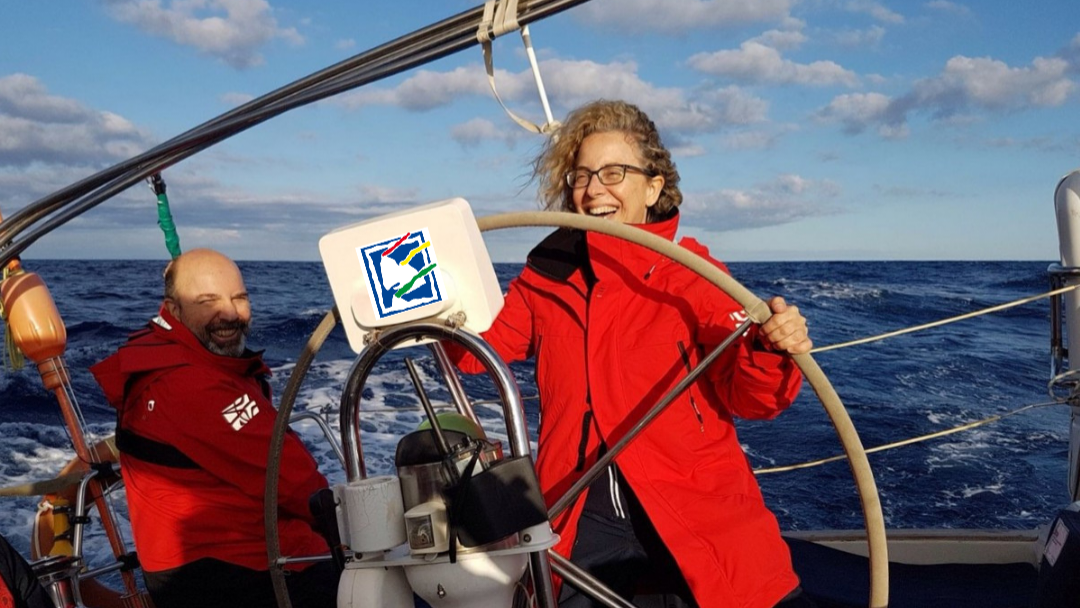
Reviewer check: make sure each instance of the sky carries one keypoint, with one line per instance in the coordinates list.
(802, 129)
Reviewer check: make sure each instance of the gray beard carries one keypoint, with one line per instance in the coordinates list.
(234, 350)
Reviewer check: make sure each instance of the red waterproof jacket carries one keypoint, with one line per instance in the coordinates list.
(605, 356)
(205, 421)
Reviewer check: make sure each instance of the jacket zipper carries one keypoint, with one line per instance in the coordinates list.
(586, 422)
(539, 410)
(689, 368)
(586, 419)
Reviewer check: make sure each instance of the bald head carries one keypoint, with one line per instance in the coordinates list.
(197, 262)
(205, 291)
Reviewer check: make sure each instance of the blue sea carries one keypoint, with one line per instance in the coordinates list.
(1006, 475)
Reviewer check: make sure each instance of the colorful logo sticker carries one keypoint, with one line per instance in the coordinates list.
(400, 273)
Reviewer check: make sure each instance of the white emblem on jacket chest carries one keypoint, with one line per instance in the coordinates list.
(150, 405)
(739, 316)
(240, 412)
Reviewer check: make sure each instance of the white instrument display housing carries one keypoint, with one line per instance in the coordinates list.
(428, 262)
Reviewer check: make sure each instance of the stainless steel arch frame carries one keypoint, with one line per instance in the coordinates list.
(391, 337)
(513, 410)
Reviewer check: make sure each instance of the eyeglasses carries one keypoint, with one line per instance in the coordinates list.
(609, 175)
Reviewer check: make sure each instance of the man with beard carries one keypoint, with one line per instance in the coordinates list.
(194, 422)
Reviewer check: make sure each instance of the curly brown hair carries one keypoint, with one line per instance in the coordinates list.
(559, 154)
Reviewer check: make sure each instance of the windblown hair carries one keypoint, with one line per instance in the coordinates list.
(559, 154)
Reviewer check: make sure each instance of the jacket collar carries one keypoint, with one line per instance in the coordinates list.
(611, 256)
(169, 328)
(567, 251)
(560, 255)
(165, 343)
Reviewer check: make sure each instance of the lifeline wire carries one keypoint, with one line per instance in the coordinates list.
(957, 429)
(969, 315)
(908, 441)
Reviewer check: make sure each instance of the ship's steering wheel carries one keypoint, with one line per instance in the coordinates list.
(759, 312)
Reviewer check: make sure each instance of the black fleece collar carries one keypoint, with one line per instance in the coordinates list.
(560, 255)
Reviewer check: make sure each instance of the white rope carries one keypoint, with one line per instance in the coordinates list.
(527, 39)
(1070, 380)
(505, 17)
(485, 33)
(35, 538)
(498, 19)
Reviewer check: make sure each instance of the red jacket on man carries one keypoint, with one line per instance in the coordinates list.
(202, 424)
(605, 356)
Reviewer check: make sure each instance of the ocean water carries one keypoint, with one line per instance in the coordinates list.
(1006, 475)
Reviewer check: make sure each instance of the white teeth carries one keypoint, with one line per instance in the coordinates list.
(606, 209)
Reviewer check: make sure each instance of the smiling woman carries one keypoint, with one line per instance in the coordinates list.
(605, 136)
(613, 327)
(612, 195)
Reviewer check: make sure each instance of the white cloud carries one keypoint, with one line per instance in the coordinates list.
(36, 127)
(202, 234)
(281, 216)
(728, 106)
(991, 84)
(870, 37)
(236, 99)
(571, 83)
(687, 150)
(784, 40)
(383, 195)
(949, 7)
(678, 16)
(230, 30)
(1050, 145)
(965, 86)
(750, 140)
(576, 82)
(857, 108)
(1071, 54)
(875, 9)
(474, 132)
(24, 96)
(20, 185)
(785, 199)
(344, 44)
(427, 90)
(757, 63)
(860, 111)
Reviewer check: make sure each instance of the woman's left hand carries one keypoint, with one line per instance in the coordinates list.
(786, 330)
